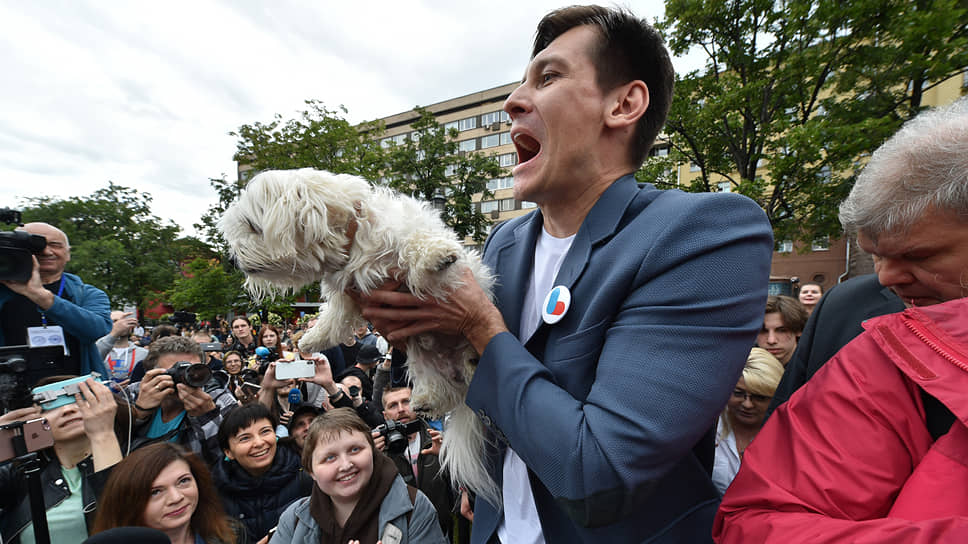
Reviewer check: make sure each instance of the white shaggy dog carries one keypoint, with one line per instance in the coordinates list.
(290, 228)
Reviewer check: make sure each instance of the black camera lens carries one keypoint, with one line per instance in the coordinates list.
(354, 390)
(190, 374)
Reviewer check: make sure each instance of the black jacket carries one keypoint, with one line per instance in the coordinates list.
(15, 501)
(430, 480)
(259, 502)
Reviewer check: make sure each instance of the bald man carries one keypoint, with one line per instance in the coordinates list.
(53, 298)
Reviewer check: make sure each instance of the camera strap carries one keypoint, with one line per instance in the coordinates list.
(43, 313)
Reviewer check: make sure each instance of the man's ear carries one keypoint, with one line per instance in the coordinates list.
(627, 104)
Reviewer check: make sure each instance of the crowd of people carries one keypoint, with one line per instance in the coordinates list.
(626, 397)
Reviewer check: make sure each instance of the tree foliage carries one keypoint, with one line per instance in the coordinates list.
(428, 166)
(318, 138)
(795, 92)
(117, 244)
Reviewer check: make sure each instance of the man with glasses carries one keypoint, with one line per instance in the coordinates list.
(55, 308)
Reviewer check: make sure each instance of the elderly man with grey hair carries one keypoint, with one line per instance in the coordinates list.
(54, 300)
(871, 449)
(167, 409)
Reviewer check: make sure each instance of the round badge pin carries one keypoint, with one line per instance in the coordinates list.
(556, 304)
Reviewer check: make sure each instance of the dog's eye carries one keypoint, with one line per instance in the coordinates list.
(252, 226)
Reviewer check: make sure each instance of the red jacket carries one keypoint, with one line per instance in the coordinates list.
(849, 457)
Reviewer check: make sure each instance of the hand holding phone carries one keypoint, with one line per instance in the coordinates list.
(289, 370)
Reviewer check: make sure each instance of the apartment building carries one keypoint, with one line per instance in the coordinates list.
(484, 127)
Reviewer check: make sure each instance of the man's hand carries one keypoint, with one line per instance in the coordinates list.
(467, 312)
(435, 440)
(285, 418)
(269, 381)
(197, 402)
(33, 288)
(122, 327)
(466, 509)
(379, 441)
(155, 386)
(323, 376)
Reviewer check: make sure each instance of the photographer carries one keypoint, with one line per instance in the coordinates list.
(168, 408)
(73, 472)
(417, 461)
(119, 354)
(56, 300)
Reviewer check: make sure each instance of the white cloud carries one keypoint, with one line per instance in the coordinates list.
(145, 94)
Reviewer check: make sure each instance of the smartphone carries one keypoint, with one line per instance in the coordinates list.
(211, 346)
(132, 309)
(288, 370)
(37, 436)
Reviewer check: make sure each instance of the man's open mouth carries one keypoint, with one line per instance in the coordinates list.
(526, 146)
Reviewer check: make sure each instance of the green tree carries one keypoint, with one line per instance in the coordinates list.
(801, 90)
(429, 166)
(208, 289)
(318, 138)
(117, 244)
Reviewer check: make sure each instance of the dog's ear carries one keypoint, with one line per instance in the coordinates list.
(326, 203)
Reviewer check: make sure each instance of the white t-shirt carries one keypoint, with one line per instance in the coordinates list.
(520, 523)
(727, 460)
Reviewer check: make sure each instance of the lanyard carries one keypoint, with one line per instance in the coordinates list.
(43, 314)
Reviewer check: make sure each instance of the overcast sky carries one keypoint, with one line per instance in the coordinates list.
(144, 93)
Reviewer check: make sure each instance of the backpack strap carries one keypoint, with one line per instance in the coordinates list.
(412, 491)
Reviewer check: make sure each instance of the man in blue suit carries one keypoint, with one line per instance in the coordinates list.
(623, 314)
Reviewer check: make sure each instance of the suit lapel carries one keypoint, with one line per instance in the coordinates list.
(514, 270)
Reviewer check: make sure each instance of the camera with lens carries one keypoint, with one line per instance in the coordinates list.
(396, 433)
(17, 249)
(190, 374)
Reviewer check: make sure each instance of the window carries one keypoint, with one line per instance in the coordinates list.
(450, 170)
(468, 145)
(385, 143)
(660, 152)
(525, 205)
(453, 125)
(508, 159)
(507, 204)
(820, 244)
(725, 187)
(491, 140)
(784, 246)
(489, 119)
(500, 183)
(400, 139)
(693, 167)
(489, 206)
(468, 123)
(505, 138)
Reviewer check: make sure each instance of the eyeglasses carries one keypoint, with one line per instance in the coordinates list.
(740, 395)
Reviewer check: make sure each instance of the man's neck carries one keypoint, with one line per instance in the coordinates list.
(121, 342)
(245, 341)
(170, 408)
(564, 216)
(47, 279)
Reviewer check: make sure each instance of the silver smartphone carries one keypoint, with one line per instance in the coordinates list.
(289, 370)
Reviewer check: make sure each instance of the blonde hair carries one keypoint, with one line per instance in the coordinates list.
(762, 375)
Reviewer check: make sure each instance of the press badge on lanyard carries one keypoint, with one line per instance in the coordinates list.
(48, 335)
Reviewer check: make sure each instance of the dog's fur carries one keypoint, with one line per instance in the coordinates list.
(293, 227)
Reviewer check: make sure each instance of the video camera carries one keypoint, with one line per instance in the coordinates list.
(23, 366)
(396, 434)
(17, 249)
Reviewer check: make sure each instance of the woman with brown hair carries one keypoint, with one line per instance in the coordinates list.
(165, 487)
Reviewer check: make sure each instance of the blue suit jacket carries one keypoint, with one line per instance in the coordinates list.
(87, 318)
(605, 407)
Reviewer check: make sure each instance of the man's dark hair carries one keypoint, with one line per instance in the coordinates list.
(240, 418)
(791, 311)
(162, 331)
(181, 345)
(629, 49)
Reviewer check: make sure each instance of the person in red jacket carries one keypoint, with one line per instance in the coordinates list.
(873, 447)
